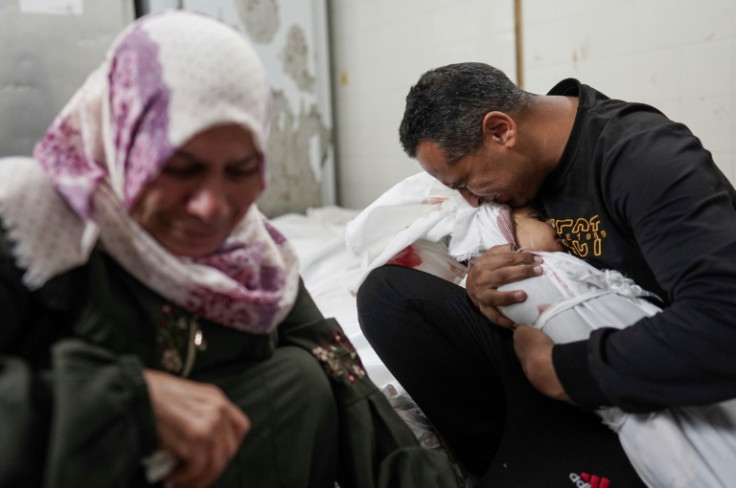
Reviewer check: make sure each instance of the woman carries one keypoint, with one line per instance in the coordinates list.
(154, 326)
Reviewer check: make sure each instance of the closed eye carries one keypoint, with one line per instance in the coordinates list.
(243, 169)
(459, 184)
(538, 217)
(184, 166)
(183, 169)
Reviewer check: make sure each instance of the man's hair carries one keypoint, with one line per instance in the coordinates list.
(447, 106)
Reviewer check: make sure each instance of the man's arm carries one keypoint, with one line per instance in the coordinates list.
(534, 350)
(679, 209)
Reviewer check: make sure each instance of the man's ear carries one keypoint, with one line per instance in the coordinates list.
(499, 128)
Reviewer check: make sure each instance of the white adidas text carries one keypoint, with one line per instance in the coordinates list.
(579, 482)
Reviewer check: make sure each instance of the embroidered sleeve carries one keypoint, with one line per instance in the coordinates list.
(339, 359)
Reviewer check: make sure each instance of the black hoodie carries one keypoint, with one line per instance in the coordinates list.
(637, 192)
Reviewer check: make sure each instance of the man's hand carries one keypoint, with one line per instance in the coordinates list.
(198, 424)
(499, 266)
(534, 350)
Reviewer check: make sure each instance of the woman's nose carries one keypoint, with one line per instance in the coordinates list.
(209, 202)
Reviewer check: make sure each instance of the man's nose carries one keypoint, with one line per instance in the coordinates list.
(209, 202)
(470, 197)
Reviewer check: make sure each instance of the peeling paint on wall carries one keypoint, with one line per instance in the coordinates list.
(295, 59)
(293, 186)
(299, 139)
(260, 18)
(47, 50)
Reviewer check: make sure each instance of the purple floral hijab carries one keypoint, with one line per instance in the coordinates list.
(167, 77)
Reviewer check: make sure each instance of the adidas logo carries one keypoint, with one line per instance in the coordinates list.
(585, 480)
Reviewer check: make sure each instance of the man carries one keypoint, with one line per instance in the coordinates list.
(627, 189)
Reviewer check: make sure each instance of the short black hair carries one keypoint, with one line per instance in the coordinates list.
(447, 106)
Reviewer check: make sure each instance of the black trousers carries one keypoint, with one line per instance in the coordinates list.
(463, 373)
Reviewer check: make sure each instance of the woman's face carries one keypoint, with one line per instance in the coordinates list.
(202, 192)
(534, 232)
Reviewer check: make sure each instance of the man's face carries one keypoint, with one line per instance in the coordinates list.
(491, 174)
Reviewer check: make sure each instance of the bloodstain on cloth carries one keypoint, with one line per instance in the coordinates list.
(407, 257)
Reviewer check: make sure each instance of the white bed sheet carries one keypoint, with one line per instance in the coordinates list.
(329, 268)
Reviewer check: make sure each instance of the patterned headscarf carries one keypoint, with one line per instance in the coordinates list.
(168, 77)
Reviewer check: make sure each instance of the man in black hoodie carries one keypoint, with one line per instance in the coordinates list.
(628, 189)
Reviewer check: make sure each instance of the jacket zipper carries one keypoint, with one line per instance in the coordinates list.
(196, 343)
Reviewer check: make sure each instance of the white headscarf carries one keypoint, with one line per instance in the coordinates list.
(167, 77)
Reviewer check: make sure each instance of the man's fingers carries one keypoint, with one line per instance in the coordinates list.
(497, 317)
(493, 271)
(512, 274)
(505, 255)
(500, 249)
(483, 280)
(490, 297)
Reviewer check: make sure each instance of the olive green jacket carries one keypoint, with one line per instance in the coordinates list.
(74, 407)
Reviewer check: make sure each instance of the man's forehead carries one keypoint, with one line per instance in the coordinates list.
(429, 148)
(432, 159)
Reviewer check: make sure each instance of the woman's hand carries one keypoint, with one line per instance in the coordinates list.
(198, 424)
(534, 350)
(499, 266)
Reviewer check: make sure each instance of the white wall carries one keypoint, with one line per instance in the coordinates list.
(47, 50)
(380, 48)
(677, 55)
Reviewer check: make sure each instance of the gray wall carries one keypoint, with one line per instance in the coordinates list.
(44, 58)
